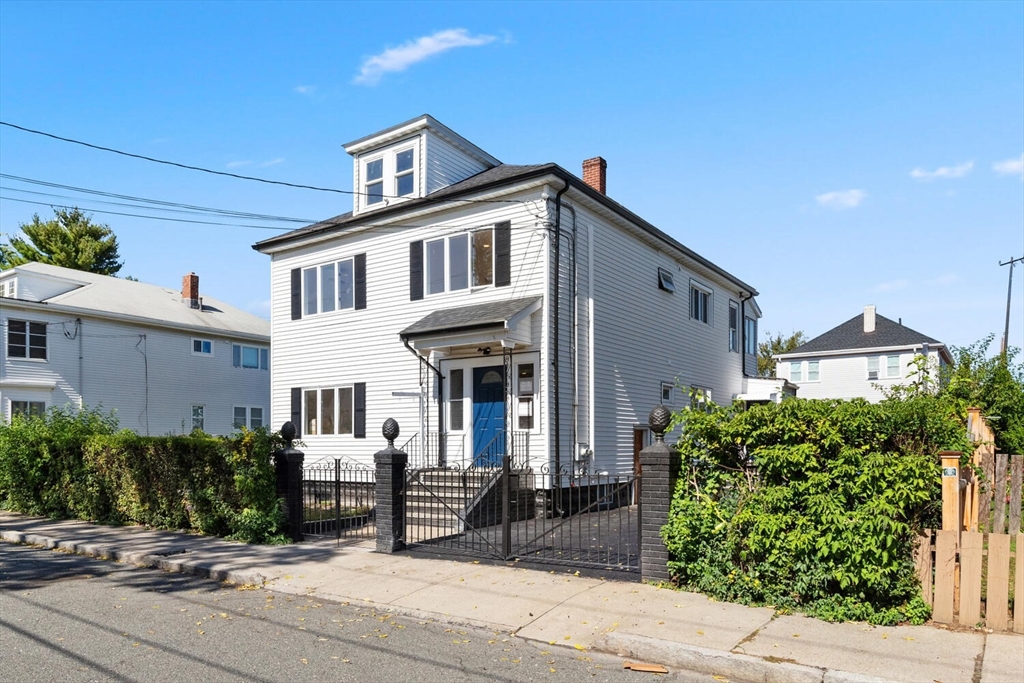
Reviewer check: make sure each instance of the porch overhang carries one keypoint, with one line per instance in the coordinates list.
(501, 323)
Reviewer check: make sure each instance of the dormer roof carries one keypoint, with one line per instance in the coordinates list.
(413, 126)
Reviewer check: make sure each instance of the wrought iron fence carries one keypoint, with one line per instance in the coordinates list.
(534, 515)
(338, 500)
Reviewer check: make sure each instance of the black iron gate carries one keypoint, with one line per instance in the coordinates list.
(338, 500)
(519, 513)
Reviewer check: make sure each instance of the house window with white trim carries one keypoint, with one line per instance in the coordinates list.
(892, 366)
(374, 188)
(700, 398)
(812, 370)
(248, 416)
(453, 262)
(252, 357)
(26, 339)
(198, 417)
(456, 400)
(328, 411)
(328, 287)
(734, 326)
(667, 391)
(28, 409)
(700, 303)
(8, 289)
(405, 172)
(750, 336)
(872, 367)
(795, 371)
(525, 390)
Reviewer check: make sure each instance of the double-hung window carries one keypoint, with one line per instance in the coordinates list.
(405, 173)
(26, 339)
(812, 370)
(330, 287)
(374, 188)
(28, 408)
(456, 400)
(750, 336)
(892, 366)
(526, 389)
(734, 326)
(248, 416)
(700, 304)
(872, 367)
(453, 262)
(795, 371)
(329, 411)
(198, 417)
(252, 357)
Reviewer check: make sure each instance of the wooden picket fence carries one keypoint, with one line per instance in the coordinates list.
(969, 570)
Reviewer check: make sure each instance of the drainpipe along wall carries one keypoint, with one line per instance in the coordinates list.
(441, 440)
(557, 422)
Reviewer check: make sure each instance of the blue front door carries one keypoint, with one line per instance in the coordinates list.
(488, 416)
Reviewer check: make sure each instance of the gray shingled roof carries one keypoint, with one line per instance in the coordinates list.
(490, 314)
(851, 335)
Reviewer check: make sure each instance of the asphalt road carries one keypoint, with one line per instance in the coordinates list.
(65, 617)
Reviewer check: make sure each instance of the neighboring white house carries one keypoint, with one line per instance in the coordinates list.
(860, 358)
(165, 361)
(442, 289)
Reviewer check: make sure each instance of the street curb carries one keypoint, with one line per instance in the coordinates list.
(734, 665)
(174, 563)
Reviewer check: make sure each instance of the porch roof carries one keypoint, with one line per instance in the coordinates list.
(492, 316)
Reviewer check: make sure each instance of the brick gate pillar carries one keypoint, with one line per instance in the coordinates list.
(288, 471)
(659, 464)
(390, 488)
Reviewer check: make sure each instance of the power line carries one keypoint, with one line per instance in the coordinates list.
(242, 177)
(159, 202)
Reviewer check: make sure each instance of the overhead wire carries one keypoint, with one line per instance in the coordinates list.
(239, 176)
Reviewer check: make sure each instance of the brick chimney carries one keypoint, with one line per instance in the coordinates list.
(594, 174)
(869, 319)
(190, 291)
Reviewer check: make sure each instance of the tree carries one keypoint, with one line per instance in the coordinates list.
(773, 345)
(70, 240)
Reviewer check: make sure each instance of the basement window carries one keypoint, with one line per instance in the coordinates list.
(665, 280)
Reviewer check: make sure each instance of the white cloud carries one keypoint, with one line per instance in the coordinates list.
(272, 162)
(841, 199)
(958, 171)
(405, 55)
(942, 280)
(891, 286)
(1010, 167)
(238, 164)
(305, 89)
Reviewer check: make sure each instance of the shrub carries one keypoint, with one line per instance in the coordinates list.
(72, 464)
(810, 505)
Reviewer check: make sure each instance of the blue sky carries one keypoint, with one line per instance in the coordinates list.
(833, 155)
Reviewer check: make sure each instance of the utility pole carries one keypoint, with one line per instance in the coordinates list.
(1009, 291)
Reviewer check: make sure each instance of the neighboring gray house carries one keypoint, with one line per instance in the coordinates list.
(165, 361)
(478, 302)
(860, 358)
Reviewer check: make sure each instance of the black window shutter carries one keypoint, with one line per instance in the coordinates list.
(416, 270)
(359, 412)
(296, 293)
(360, 277)
(297, 411)
(503, 254)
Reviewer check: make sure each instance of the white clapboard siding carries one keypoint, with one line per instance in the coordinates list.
(345, 347)
(846, 376)
(446, 164)
(146, 375)
(644, 336)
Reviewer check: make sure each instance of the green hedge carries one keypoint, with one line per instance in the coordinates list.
(811, 505)
(75, 465)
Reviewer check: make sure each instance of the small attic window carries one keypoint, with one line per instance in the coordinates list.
(375, 181)
(665, 280)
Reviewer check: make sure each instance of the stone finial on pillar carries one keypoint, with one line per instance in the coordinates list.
(390, 490)
(659, 464)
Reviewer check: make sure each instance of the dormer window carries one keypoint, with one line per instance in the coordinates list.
(375, 181)
(389, 176)
(405, 175)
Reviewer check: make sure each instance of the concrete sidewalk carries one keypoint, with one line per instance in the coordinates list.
(683, 630)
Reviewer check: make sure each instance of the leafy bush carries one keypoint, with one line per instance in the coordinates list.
(71, 464)
(810, 505)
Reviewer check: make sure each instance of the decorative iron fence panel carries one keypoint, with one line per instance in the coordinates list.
(510, 512)
(338, 500)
